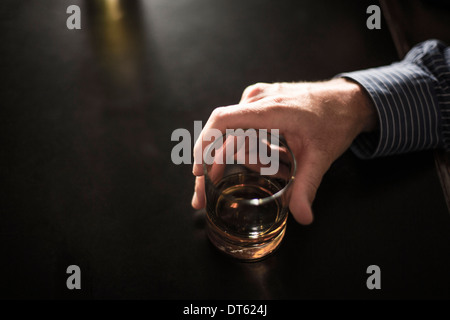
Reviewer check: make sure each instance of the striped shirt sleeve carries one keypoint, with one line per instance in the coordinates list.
(412, 99)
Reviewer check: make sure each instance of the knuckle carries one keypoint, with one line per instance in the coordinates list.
(276, 103)
(220, 114)
(278, 100)
(217, 112)
(255, 89)
(277, 86)
(258, 86)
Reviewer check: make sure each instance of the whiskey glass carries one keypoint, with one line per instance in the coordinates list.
(248, 180)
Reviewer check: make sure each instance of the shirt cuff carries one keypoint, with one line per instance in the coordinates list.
(408, 111)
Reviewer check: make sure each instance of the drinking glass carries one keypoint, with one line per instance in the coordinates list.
(248, 181)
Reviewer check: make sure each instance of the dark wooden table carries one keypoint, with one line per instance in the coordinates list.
(87, 179)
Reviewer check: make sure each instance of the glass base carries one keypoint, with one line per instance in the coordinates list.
(249, 250)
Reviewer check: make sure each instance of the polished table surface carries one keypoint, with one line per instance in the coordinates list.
(87, 178)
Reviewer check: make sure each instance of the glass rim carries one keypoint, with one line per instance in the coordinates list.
(260, 201)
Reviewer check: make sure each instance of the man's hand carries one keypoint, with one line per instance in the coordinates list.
(318, 120)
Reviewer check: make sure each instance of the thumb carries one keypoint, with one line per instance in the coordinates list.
(310, 170)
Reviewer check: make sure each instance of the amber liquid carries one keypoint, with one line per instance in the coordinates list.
(240, 228)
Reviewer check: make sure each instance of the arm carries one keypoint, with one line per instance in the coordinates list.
(412, 100)
(387, 110)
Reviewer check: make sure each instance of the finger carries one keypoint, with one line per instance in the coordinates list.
(231, 117)
(204, 139)
(199, 199)
(254, 92)
(280, 162)
(310, 171)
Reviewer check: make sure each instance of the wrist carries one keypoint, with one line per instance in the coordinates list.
(362, 105)
(345, 105)
(354, 104)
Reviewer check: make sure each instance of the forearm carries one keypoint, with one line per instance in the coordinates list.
(412, 101)
(344, 104)
(352, 96)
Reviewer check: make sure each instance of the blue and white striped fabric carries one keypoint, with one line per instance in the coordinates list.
(412, 98)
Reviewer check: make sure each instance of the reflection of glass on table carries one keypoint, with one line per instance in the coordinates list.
(248, 177)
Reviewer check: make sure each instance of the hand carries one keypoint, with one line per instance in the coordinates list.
(318, 120)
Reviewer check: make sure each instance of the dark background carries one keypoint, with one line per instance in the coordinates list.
(87, 179)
